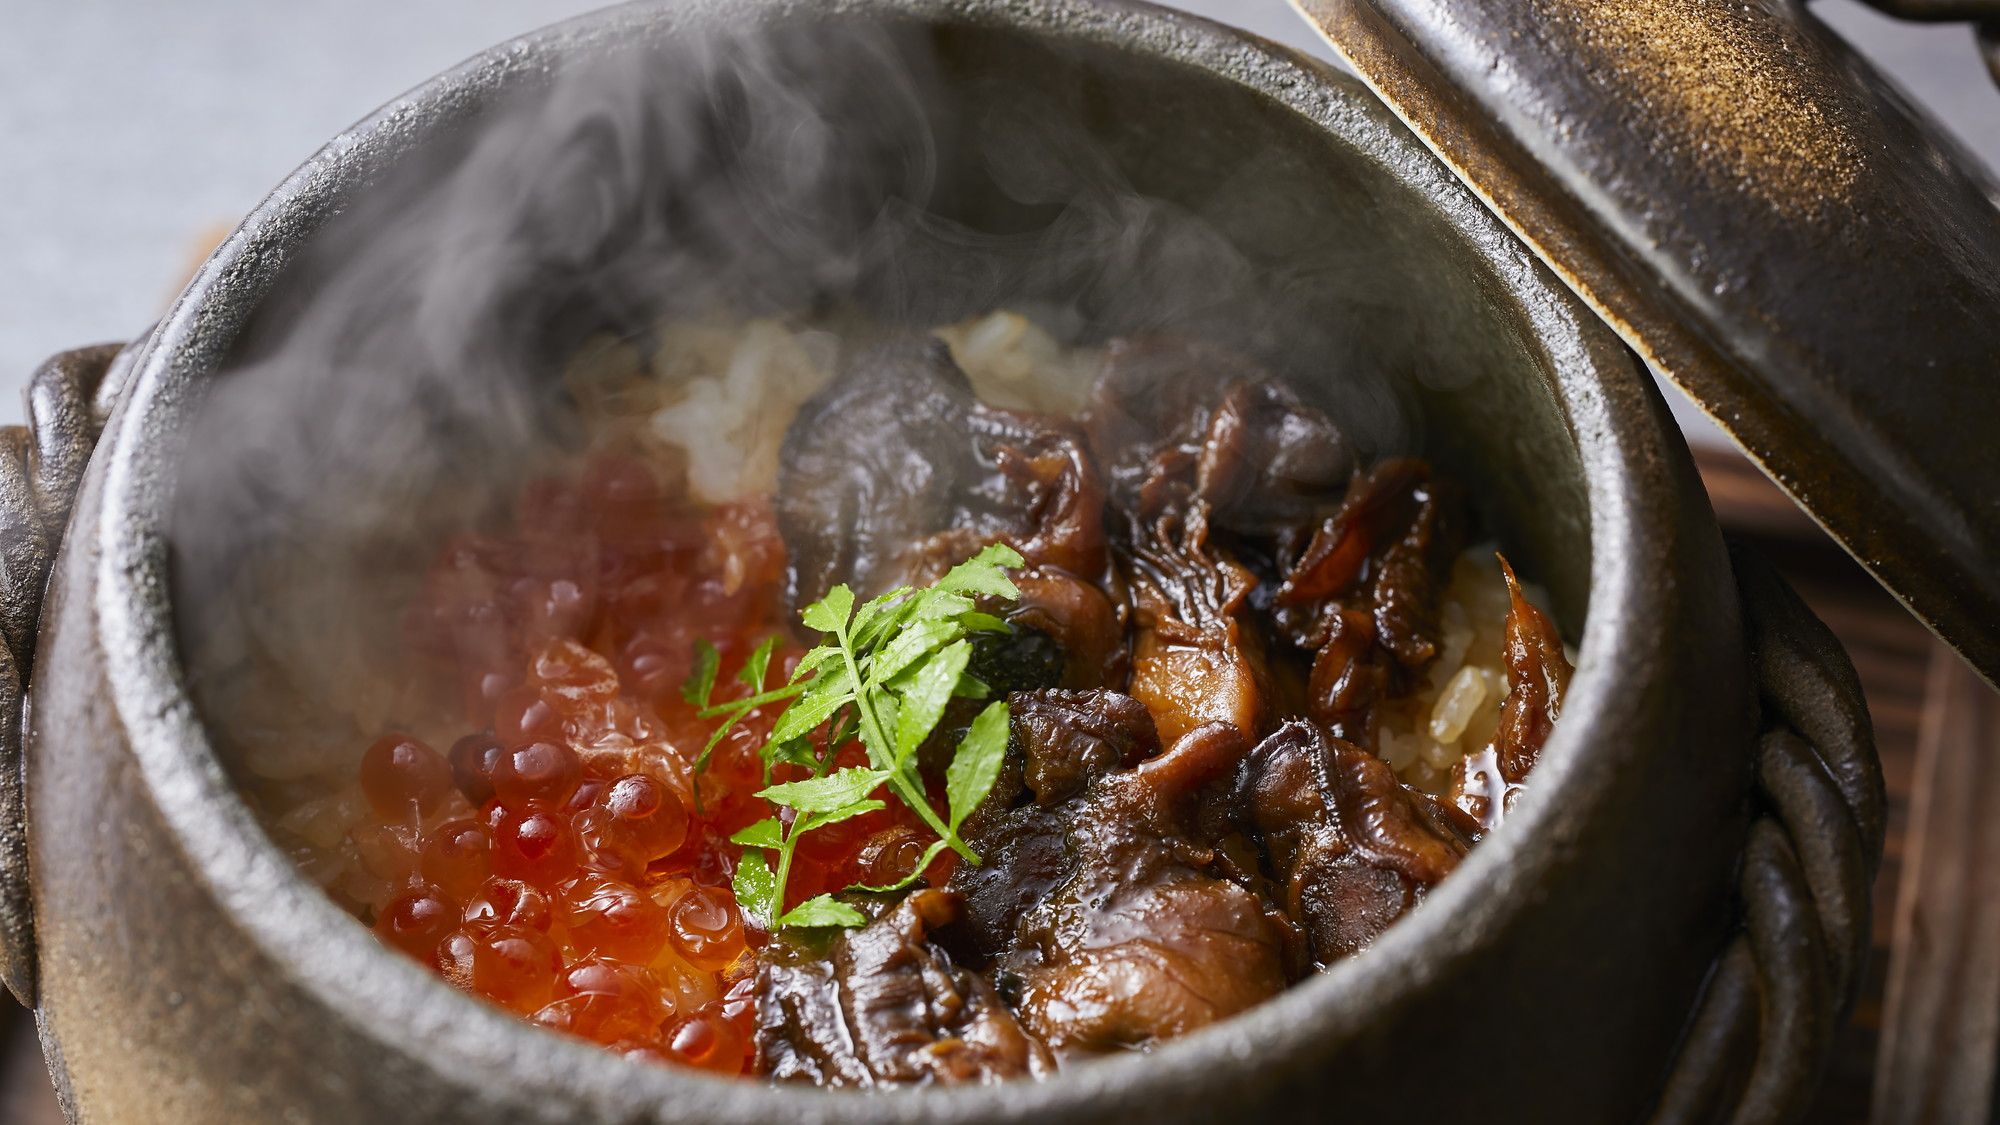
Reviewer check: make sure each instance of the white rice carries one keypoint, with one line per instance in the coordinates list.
(1456, 706)
(1014, 363)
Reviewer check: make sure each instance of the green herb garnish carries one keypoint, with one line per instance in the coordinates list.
(700, 685)
(883, 674)
(815, 803)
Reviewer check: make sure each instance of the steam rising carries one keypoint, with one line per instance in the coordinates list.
(405, 378)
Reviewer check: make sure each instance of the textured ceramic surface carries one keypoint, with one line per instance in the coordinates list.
(40, 467)
(189, 974)
(1769, 223)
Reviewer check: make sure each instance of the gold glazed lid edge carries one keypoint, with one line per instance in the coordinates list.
(1792, 384)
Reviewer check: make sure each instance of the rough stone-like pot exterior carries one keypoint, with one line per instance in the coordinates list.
(189, 974)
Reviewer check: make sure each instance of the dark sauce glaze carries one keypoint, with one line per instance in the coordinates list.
(1191, 816)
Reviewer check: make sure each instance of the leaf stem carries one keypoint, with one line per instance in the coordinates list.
(785, 867)
(836, 733)
(882, 751)
(738, 706)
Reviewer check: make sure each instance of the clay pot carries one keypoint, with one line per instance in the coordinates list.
(184, 971)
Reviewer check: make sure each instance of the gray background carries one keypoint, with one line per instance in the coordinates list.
(135, 133)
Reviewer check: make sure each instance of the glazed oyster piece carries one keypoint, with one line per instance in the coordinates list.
(1106, 905)
(1485, 785)
(1144, 939)
(1170, 409)
(895, 471)
(1197, 658)
(872, 463)
(884, 1006)
(1362, 596)
(1194, 439)
(1059, 741)
(1353, 848)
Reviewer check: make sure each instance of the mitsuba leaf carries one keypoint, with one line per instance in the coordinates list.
(805, 713)
(756, 887)
(911, 645)
(886, 706)
(701, 678)
(982, 573)
(714, 739)
(885, 673)
(753, 670)
(794, 751)
(882, 614)
(840, 732)
(701, 762)
(766, 833)
(838, 790)
(834, 678)
(811, 661)
(925, 695)
(939, 605)
(830, 614)
(822, 697)
(823, 910)
(977, 763)
(835, 816)
(983, 623)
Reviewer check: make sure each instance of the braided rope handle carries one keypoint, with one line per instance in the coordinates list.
(1761, 1035)
(41, 464)
(1763, 1030)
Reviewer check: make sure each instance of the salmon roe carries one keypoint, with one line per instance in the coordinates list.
(561, 858)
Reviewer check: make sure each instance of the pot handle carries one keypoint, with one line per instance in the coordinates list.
(41, 464)
(1761, 1035)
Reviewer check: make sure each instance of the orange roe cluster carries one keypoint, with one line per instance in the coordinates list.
(563, 860)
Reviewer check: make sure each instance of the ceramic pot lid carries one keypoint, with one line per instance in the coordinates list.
(1768, 223)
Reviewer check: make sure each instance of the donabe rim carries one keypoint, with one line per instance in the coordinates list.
(1613, 418)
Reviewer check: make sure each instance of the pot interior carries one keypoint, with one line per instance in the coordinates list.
(901, 168)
